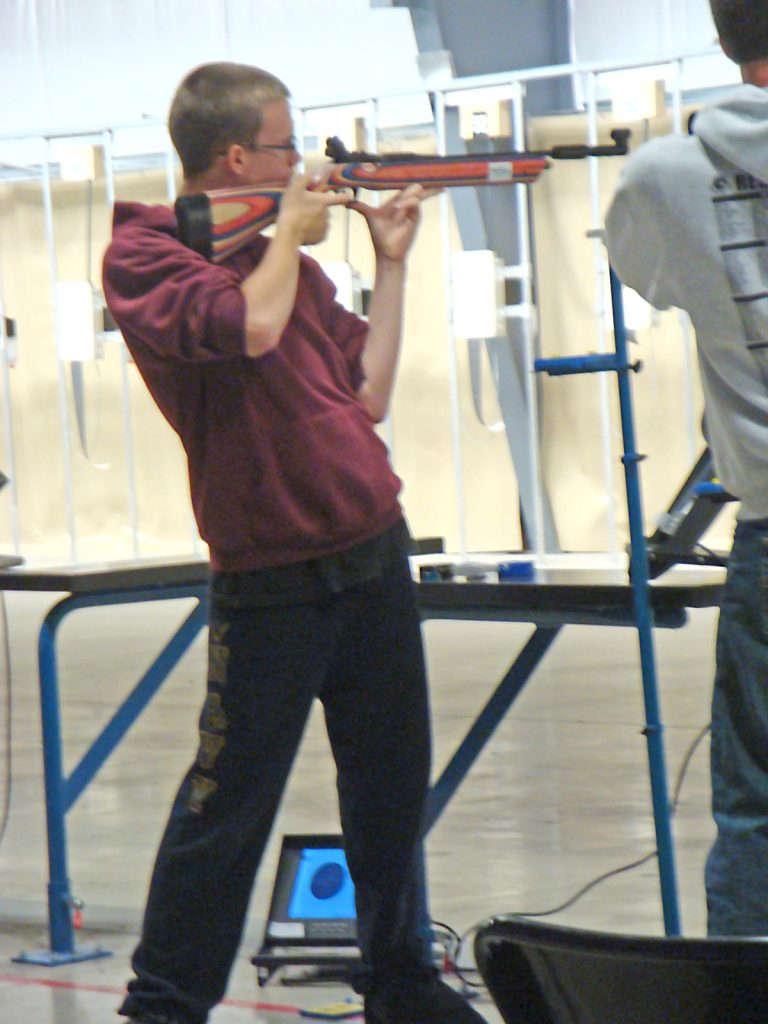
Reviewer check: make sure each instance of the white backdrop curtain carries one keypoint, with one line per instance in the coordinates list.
(625, 29)
(66, 64)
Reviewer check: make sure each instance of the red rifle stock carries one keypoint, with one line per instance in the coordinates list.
(218, 223)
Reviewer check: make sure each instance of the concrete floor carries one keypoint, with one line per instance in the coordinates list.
(559, 797)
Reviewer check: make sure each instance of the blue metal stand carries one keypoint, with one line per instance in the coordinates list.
(619, 363)
(62, 792)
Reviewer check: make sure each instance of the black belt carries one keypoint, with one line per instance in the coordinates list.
(314, 578)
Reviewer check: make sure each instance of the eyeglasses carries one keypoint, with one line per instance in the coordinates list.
(287, 147)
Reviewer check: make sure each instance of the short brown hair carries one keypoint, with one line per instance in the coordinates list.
(743, 28)
(217, 105)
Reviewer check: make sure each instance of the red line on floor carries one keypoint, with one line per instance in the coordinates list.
(76, 986)
(18, 979)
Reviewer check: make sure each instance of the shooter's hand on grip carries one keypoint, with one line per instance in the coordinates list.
(304, 210)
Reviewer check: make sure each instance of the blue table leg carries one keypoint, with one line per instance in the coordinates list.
(61, 792)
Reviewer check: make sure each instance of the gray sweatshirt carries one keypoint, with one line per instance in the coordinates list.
(688, 227)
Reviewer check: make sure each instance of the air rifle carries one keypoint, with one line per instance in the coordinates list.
(218, 223)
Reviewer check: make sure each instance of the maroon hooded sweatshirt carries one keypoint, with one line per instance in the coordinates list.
(284, 462)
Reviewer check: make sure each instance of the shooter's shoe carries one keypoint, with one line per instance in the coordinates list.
(419, 997)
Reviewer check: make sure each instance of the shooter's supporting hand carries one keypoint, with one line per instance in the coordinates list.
(393, 225)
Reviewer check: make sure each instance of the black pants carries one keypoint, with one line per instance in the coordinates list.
(360, 652)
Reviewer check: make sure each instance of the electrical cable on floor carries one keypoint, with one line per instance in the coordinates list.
(455, 952)
(5, 672)
(693, 747)
(452, 942)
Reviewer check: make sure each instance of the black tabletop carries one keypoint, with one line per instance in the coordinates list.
(572, 595)
(99, 577)
(559, 595)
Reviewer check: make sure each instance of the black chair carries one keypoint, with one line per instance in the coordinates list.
(547, 974)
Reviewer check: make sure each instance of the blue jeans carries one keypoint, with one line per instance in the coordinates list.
(360, 652)
(737, 868)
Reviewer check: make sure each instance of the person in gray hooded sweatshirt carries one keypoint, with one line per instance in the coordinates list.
(688, 227)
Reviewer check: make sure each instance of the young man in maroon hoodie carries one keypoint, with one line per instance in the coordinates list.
(274, 389)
